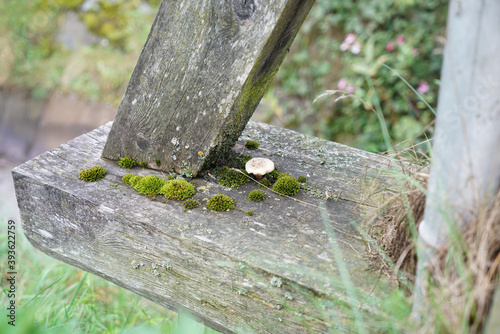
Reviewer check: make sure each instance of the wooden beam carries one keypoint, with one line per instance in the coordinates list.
(201, 74)
(273, 272)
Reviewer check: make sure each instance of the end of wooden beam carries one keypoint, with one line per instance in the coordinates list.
(272, 272)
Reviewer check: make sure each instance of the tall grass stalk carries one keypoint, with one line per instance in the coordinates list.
(411, 87)
(380, 116)
(353, 298)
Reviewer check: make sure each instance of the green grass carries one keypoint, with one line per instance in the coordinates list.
(457, 284)
(54, 297)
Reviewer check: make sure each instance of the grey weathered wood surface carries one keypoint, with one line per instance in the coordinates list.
(202, 72)
(223, 268)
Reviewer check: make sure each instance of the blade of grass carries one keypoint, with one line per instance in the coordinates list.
(380, 115)
(410, 86)
(344, 274)
(129, 314)
(70, 306)
(39, 292)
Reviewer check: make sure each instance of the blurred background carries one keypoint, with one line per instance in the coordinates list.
(65, 64)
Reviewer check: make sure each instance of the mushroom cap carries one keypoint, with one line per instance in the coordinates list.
(259, 166)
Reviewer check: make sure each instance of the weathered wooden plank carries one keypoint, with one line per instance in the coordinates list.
(273, 272)
(201, 74)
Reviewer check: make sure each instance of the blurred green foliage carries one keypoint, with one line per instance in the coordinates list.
(340, 46)
(29, 56)
(34, 57)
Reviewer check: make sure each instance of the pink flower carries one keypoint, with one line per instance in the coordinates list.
(414, 52)
(348, 41)
(342, 83)
(389, 47)
(350, 38)
(400, 40)
(423, 88)
(350, 89)
(356, 48)
(344, 46)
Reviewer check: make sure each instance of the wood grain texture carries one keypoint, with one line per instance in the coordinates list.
(202, 72)
(273, 272)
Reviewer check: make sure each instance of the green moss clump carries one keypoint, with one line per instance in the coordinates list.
(158, 162)
(256, 195)
(177, 189)
(150, 185)
(170, 178)
(234, 160)
(265, 182)
(126, 178)
(252, 144)
(143, 164)
(275, 174)
(249, 213)
(94, 173)
(282, 175)
(302, 179)
(230, 178)
(127, 163)
(190, 204)
(220, 203)
(133, 180)
(287, 185)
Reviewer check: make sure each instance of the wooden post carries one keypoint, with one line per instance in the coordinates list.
(465, 172)
(201, 74)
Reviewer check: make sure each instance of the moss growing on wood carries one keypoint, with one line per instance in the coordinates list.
(275, 174)
(233, 160)
(252, 144)
(177, 189)
(143, 164)
(92, 174)
(127, 163)
(134, 179)
(150, 185)
(231, 178)
(190, 204)
(302, 179)
(158, 162)
(220, 203)
(265, 182)
(126, 178)
(282, 175)
(256, 195)
(249, 213)
(287, 185)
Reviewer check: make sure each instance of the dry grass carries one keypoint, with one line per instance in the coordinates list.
(394, 228)
(462, 274)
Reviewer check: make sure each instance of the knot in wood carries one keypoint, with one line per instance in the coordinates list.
(244, 10)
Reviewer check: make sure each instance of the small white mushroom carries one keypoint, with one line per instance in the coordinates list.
(259, 167)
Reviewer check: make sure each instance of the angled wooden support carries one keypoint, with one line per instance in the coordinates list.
(276, 271)
(201, 74)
